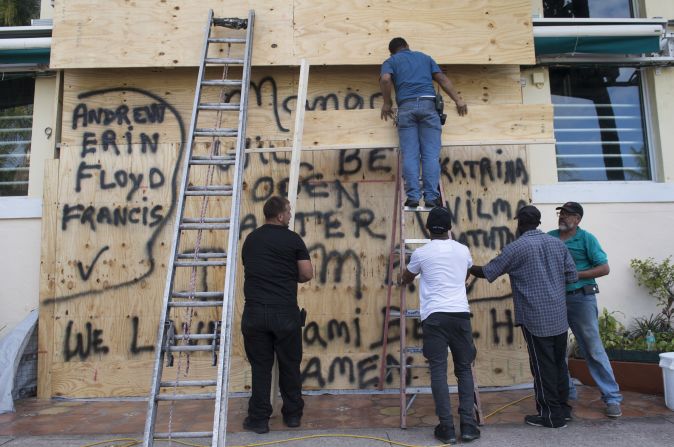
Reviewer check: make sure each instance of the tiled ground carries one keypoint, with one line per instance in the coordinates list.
(40, 417)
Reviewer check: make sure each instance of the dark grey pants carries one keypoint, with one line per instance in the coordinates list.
(442, 330)
(269, 330)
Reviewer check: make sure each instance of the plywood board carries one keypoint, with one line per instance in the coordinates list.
(130, 97)
(104, 302)
(457, 31)
(157, 33)
(484, 124)
(343, 214)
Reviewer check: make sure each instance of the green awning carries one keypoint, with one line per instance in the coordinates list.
(597, 44)
(25, 56)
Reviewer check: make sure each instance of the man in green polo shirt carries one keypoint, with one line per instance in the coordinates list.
(581, 303)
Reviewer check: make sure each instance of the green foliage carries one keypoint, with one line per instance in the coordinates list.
(18, 12)
(654, 323)
(611, 331)
(658, 279)
(614, 336)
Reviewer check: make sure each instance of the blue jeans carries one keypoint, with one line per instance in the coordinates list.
(582, 314)
(419, 133)
(440, 331)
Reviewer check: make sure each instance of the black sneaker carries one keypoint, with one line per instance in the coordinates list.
(469, 433)
(437, 202)
(445, 434)
(258, 427)
(540, 421)
(292, 421)
(411, 203)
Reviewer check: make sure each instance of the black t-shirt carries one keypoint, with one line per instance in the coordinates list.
(270, 254)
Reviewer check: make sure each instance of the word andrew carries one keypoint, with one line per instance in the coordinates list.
(95, 174)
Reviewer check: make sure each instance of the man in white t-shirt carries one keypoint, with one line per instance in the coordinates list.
(445, 318)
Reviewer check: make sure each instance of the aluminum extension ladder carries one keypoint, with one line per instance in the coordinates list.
(176, 298)
(398, 227)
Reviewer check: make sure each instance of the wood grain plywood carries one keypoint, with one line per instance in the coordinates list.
(158, 33)
(105, 305)
(455, 32)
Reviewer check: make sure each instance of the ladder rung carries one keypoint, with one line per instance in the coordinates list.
(409, 313)
(223, 161)
(189, 348)
(205, 255)
(208, 193)
(197, 294)
(210, 188)
(224, 132)
(195, 303)
(230, 22)
(184, 434)
(204, 226)
(222, 82)
(179, 383)
(417, 241)
(219, 106)
(204, 396)
(419, 209)
(226, 40)
(224, 60)
(195, 337)
(199, 263)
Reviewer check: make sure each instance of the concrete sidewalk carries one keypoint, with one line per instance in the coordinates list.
(640, 432)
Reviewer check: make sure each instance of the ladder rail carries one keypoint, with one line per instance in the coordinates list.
(404, 313)
(389, 288)
(148, 436)
(222, 392)
(403, 310)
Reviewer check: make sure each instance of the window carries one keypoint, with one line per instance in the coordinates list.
(16, 120)
(599, 125)
(605, 9)
(598, 110)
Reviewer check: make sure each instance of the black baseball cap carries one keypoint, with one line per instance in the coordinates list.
(572, 208)
(528, 214)
(439, 220)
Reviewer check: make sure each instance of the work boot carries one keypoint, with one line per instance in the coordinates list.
(469, 432)
(445, 434)
(437, 202)
(292, 421)
(411, 203)
(258, 427)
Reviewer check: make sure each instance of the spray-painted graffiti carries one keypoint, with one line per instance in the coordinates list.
(340, 211)
(118, 138)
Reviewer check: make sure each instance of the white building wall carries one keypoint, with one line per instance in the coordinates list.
(20, 217)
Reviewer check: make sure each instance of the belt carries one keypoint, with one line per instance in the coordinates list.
(420, 98)
(577, 291)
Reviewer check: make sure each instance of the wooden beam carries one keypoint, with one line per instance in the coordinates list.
(45, 338)
(296, 156)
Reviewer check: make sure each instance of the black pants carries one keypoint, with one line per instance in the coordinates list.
(547, 358)
(442, 330)
(269, 330)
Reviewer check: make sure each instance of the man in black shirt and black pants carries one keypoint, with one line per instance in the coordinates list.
(275, 259)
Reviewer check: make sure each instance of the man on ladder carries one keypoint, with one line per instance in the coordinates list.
(419, 116)
(445, 316)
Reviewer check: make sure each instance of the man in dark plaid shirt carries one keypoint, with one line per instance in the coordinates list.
(539, 267)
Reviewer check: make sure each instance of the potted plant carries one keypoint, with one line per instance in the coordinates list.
(634, 352)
